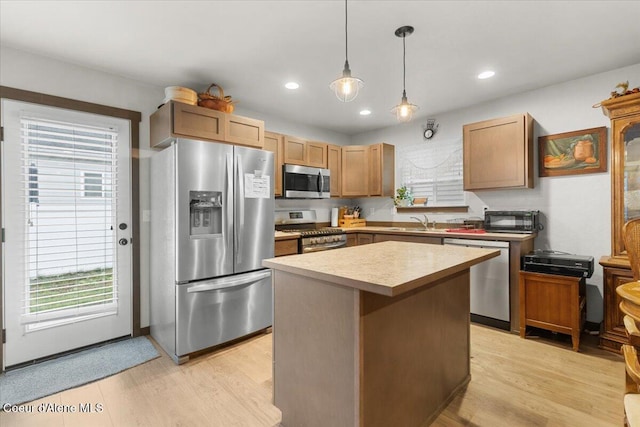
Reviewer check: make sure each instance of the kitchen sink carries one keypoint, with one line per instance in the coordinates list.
(405, 229)
(414, 229)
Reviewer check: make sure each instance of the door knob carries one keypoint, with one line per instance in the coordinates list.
(123, 241)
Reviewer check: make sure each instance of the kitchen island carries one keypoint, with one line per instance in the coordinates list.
(373, 335)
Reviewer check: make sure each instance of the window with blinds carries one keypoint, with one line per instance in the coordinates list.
(433, 171)
(69, 179)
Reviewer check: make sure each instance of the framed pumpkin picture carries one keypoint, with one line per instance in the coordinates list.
(573, 153)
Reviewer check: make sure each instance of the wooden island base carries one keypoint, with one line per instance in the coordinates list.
(345, 356)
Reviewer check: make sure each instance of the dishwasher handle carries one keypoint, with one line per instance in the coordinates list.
(476, 243)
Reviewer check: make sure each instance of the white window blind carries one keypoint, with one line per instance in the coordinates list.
(69, 180)
(434, 171)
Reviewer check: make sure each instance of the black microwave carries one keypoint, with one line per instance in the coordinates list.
(303, 182)
(526, 221)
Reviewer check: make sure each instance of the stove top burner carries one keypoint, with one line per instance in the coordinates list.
(310, 230)
(317, 232)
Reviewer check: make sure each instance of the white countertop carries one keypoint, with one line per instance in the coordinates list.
(386, 268)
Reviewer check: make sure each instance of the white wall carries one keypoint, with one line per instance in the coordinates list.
(37, 73)
(576, 209)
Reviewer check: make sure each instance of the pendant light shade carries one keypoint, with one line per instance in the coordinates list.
(346, 87)
(404, 111)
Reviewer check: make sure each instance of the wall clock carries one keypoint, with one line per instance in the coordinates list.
(429, 129)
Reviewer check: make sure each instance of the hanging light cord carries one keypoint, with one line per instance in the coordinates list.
(346, 35)
(404, 65)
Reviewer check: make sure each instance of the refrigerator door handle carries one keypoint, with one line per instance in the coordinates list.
(229, 282)
(229, 212)
(239, 234)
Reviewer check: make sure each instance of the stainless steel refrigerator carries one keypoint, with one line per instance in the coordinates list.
(212, 216)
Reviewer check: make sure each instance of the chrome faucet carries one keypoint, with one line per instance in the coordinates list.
(424, 223)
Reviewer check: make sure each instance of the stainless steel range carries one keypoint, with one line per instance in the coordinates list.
(312, 237)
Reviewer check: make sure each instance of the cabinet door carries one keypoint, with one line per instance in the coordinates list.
(498, 153)
(355, 171)
(614, 332)
(364, 239)
(244, 131)
(317, 154)
(334, 163)
(196, 122)
(274, 142)
(352, 240)
(295, 151)
(624, 112)
(286, 247)
(381, 170)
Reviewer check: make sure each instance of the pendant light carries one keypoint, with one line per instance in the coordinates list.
(346, 87)
(404, 111)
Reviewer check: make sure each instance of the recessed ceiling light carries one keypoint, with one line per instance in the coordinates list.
(292, 85)
(486, 74)
(365, 112)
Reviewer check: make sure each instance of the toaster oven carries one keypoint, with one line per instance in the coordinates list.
(517, 221)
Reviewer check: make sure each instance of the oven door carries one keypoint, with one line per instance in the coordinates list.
(324, 247)
(302, 182)
(338, 241)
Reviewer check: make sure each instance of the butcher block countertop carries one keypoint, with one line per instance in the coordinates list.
(385, 268)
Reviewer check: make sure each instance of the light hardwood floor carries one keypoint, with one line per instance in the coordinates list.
(515, 382)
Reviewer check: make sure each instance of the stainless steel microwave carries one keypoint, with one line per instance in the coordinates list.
(525, 221)
(303, 182)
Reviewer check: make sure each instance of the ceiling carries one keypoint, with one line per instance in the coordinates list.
(251, 48)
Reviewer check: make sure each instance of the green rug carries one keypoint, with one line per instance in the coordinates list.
(73, 370)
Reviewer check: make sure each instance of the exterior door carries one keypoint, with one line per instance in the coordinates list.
(67, 224)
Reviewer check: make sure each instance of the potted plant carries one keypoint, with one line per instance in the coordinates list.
(403, 197)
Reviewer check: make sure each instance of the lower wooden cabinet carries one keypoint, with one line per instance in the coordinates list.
(352, 240)
(552, 302)
(365, 239)
(616, 272)
(404, 238)
(286, 247)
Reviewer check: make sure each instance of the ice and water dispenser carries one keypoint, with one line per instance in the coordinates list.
(205, 213)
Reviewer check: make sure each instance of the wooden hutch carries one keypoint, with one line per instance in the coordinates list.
(624, 112)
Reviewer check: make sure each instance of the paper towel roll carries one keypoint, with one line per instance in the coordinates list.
(334, 217)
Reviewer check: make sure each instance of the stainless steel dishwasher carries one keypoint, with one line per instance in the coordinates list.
(489, 284)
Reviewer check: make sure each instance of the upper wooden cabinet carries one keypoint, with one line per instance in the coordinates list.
(274, 142)
(368, 170)
(298, 151)
(624, 112)
(334, 164)
(243, 131)
(498, 153)
(317, 154)
(355, 171)
(295, 151)
(178, 120)
(382, 170)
